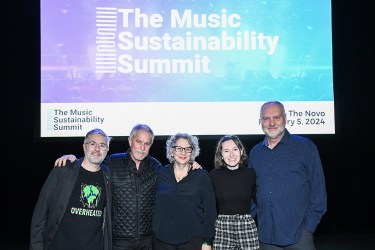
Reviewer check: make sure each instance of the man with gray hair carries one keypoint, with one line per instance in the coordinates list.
(291, 194)
(133, 187)
(74, 206)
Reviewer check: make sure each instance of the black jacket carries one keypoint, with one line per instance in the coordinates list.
(53, 201)
(133, 193)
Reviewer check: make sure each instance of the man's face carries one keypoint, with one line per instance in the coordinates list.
(95, 148)
(140, 145)
(273, 121)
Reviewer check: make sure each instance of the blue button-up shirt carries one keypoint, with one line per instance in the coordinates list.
(291, 193)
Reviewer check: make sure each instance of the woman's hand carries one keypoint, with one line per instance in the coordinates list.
(206, 247)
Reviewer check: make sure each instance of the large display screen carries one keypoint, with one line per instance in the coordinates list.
(202, 67)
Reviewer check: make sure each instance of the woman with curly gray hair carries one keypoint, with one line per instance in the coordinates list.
(185, 206)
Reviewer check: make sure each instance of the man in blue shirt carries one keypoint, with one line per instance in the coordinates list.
(290, 184)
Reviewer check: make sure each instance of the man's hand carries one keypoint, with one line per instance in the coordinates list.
(60, 162)
(196, 165)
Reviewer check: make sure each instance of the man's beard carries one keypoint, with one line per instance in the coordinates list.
(274, 134)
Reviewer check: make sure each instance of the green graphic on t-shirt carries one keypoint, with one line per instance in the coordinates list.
(90, 195)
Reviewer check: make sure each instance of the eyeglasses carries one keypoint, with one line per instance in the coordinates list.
(179, 149)
(93, 145)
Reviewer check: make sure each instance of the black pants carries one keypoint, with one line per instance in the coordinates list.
(193, 244)
(305, 243)
(133, 244)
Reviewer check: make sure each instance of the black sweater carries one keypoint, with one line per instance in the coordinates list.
(234, 190)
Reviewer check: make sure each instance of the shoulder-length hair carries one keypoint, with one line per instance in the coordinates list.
(219, 161)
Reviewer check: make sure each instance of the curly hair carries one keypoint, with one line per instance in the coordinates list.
(193, 141)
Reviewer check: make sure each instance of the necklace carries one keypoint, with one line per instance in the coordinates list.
(179, 177)
(232, 168)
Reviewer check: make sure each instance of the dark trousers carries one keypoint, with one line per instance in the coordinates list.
(305, 243)
(193, 244)
(133, 244)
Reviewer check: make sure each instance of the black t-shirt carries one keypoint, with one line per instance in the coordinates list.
(82, 225)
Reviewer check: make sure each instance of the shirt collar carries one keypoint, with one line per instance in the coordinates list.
(283, 140)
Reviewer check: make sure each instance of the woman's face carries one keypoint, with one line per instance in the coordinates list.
(231, 153)
(182, 151)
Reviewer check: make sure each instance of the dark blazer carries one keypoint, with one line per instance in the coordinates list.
(53, 201)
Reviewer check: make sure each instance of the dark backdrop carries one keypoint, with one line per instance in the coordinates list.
(347, 156)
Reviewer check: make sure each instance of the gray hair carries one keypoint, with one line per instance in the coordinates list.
(193, 141)
(143, 127)
(98, 131)
(281, 106)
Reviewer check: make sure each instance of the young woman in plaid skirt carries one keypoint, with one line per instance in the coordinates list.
(234, 186)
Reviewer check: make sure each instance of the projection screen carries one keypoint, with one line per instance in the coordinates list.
(202, 67)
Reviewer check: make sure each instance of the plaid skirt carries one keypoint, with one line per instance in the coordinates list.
(235, 232)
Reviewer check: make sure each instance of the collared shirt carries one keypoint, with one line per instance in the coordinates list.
(185, 209)
(290, 184)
